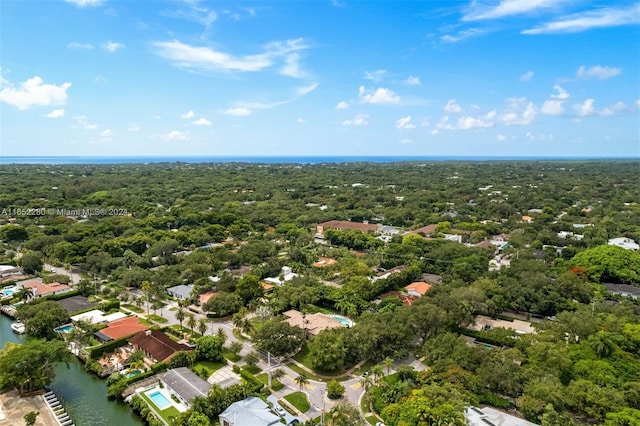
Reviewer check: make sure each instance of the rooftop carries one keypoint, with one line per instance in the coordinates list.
(185, 383)
(313, 323)
(157, 344)
(123, 327)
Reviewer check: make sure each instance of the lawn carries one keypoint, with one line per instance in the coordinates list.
(276, 385)
(231, 356)
(299, 400)
(372, 420)
(157, 318)
(364, 367)
(133, 308)
(209, 366)
(165, 414)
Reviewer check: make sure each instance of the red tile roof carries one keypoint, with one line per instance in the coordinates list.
(348, 225)
(419, 286)
(46, 289)
(124, 327)
(157, 344)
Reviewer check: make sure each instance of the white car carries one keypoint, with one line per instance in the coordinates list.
(280, 410)
(380, 424)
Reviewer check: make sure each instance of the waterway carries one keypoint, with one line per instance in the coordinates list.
(82, 393)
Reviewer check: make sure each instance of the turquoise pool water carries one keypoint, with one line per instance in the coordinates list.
(131, 374)
(8, 291)
(344, 321)
(159, 399)
(64, 329)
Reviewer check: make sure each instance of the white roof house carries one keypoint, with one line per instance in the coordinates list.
(286, 275)
(251, 411)
(625, 243)
(98, 317)
(490, 416)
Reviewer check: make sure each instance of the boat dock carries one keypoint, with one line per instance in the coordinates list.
(8, 310)
(57, 409)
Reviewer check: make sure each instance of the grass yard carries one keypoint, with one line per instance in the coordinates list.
(158, 319)
(232, 357)
(299, 400)
(133, 308)
(209, 366)
(165, 414)
(372, 420)
(276, 385)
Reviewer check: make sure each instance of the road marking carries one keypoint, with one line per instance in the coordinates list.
(355, 385)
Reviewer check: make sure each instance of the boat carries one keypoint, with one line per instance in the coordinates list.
(18, 327)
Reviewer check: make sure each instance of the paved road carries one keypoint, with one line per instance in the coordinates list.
(74, 275)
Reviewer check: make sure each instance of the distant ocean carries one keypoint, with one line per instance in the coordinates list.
(269, 159)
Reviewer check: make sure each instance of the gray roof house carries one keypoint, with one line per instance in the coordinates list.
(490, 416)
(623, 290)
(184, 384)
(248, 412)
(181, 291)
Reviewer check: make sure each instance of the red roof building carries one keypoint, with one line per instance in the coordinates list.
(156, 345)
(122, 328)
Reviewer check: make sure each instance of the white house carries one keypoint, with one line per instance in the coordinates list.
(251, 411)
(625, 243)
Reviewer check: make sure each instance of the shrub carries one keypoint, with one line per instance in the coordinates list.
(335, 390)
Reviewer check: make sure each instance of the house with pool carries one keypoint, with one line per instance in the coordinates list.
(184, 384)
(315, 323)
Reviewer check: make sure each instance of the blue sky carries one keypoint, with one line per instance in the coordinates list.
(486, 78)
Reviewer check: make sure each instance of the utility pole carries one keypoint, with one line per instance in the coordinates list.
(269, 368)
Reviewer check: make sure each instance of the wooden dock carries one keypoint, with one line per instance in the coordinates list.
(8, 310)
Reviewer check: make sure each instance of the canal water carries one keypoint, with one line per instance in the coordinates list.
(83, 394)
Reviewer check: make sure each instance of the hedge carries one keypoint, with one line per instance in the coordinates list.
(155, 369)
(255, 384)
(483, 338)
(63, 295)
(97, 351)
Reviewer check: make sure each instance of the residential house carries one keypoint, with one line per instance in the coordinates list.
(625, 243)
(156, 345)
(181, 292)
(204, 297)
(39, 289)
(312, 323)
(490, 416)
(184, 384)
(482, 322)
(286, 275)
(406, 299)
(121, 328)
(96, 316)
(527, 219)
(425, 230)
(418, 288)
(345, 225)
(248, 412)
(323, 262)
(625, 290)
(6, 270)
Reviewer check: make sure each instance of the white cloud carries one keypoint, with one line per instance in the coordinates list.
(106, 133)
(585, 108)
(190, 57)
(300, 120)
(187, 115)
(112, 46)
(479, 11)
(291, 66)
(56, 113)
(413, 81)
(405, 123)
(375, 76)
(618, 106)
(406, 141)
(462, 35)
(238, 112)
(601, 73)
(34, 92)
(201, 122)
(527, 76)
(342, 105)
(554, 105)
(134, 128)
(358, 120)
(86, 3)
(81, 46)
(175, 135)
(444, 124)
(465, 123)
(89, 126)
(305, 90)
(379, 96)
(501, 137)
(599, 18)
(519, 111)
(452, 106)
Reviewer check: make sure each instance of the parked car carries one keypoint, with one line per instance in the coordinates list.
(280, 410)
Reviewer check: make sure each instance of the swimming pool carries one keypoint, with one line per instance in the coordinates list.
(344, 321)
(132, 374)
(159, 399)
(9, 291)
(64, 329)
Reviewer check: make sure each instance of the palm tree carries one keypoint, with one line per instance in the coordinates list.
(302, 381)
(137, 301)
(345, 414)
(377, 373)
(277, 374)
(180, 316)
(203, 326)
(146, 285)
(222, 335)
(24, 294)
(388, 363)
(191, 322)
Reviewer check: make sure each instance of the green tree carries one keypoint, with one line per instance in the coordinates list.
(203, 325)
(224, 304)
(249, 288)
(180, 315)
(302, 381)
(31, 262)
(40, 319)
(335, 389)
(279, 338)
(328, 351)
(344, 414)
(209, 348)
(191, 322)
(30, 418)
(252, 360)
(30, 366)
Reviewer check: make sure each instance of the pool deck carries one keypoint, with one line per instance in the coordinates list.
(13, 408)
